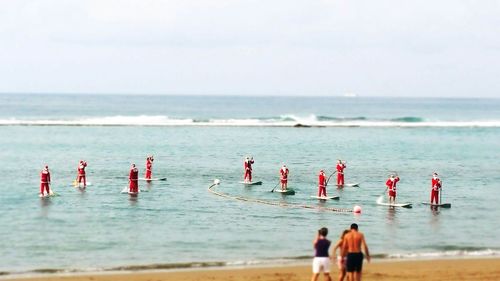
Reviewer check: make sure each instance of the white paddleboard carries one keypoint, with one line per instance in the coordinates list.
(404, 205)
(153, 179)
(251, 183)
(81, 184)
(285, 192)
(52, 194)
(326, 198)
(348, 185)
(443, 205)
(125, 191)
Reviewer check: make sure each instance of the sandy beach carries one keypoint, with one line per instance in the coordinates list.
(452, 269)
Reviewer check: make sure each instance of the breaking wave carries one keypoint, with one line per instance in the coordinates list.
(289, 120)
(444, 253)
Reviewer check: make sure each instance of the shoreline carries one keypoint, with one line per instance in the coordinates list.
(445, 268)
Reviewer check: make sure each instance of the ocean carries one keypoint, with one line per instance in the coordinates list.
(196, 139)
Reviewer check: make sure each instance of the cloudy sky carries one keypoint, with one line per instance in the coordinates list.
(249, 47)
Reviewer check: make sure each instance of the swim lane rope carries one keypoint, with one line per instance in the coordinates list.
(274, 203)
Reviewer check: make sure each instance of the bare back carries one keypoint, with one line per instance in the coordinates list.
(353, 241)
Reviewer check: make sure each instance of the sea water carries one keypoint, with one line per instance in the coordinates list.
(197, 139)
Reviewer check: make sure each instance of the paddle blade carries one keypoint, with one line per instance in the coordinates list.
(380, 199)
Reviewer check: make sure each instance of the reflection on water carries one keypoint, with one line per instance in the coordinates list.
(391, 215)
(82, 191)
(435, 210)
(133, 199)
(45, 204)
(434, 221)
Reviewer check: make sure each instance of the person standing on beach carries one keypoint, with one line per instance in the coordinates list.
(133, 179)
(391, 187)
(149, 167)
(81, 174)
(436, 188)
(321, 259)
(284, 177)
(45, 181)
(248, 169)
(354, 241)
(340, 172)
(321, 184)
(341, 261)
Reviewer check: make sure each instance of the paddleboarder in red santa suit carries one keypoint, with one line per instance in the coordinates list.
(248, 169)
(436, 187)
(45, 181)
(284, 177)
(391, 187)
(321, 184)
(149, 167)
(133, 177)
(81, 173)
(340, 172)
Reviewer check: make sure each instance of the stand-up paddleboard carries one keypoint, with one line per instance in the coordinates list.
(404, 205)
(326, 197)
(251, 183)
(153, 179)
(288, 191)
(52, 194)
(444, 205)
(75, 184)
(381, 199)
(348, 185)
(125, 191)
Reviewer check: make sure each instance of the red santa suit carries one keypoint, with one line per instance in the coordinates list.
(321, 184)
(284, 174)
(133, 178)
(391, 186)
(81, 172)
(45, 181)
(149, 168)
(340, 173)
(248, 170)
(436, 186)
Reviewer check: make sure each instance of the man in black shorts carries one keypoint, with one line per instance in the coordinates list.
(351, 249)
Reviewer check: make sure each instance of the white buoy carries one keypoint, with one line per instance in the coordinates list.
(216, 181)
(357, 209)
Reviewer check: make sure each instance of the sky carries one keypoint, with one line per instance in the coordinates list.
(447, 48)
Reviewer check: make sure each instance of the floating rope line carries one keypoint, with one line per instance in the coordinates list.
(274, 203)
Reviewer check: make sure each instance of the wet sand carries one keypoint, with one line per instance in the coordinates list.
(451, 269)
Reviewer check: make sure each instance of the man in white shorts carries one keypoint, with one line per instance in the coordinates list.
(321, 261)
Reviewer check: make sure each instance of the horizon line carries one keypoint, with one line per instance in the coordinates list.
(347, 95)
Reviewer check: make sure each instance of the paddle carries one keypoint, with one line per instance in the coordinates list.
(51, 192)
(275, 186)
(381, 197)
(440, 192)
(330, 177)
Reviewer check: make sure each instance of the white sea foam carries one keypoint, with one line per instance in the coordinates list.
(447, 254)
(282, 121)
